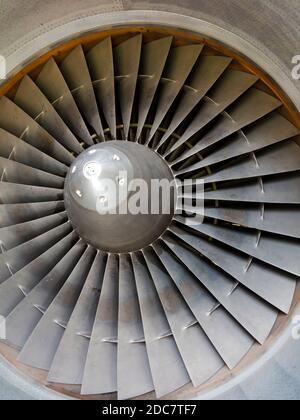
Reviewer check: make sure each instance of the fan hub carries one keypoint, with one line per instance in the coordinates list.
(112, 199)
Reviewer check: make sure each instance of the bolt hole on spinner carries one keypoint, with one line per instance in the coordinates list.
(181, 300)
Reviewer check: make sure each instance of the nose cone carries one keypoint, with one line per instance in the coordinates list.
(116, 195)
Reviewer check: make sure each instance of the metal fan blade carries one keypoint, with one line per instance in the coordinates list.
(259, 318)
(16, 149)
(76, 73)
(179, 65)
(53, 85)
(212, 317)
(16, 258)
(281, 158)
(103, 79)
(280, 189)
(204, 76)
(278, 251)
(231, 85)
(252, 106)
(15, 172)
(153, 60)
(34, 103)
(272, 285)
(132, 353)
(190, 297)
(25, 317)
(271, 130)
(102, 353)
(16, 193)
(15, 235)
(17, 287)
(17, 122)
(69, 361)
(203, 363)
(11, 214)
(164, 357)
(127, 57)
(280, 220)
(53, 323)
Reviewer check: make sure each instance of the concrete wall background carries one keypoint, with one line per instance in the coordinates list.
(273, 24)
(270, 26)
